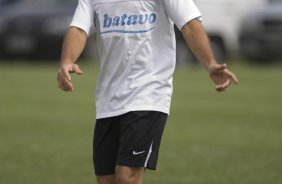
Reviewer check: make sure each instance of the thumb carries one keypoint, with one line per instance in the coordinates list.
(218, 68)
(76, 69)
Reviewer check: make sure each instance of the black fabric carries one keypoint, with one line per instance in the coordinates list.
(126, 140)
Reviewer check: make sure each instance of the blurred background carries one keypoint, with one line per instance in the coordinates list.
(229, 138)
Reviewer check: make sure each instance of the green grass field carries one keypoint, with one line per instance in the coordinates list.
(211, 138)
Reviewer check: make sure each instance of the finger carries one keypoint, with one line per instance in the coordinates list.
(67, 85)
(219, 88)
(66, 89)
(64, 84)
(222, 87)
(233, 77)
(66, 74)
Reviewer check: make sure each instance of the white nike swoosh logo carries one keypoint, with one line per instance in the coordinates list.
(138, 153)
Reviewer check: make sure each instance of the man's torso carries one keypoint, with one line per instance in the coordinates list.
(137, 54)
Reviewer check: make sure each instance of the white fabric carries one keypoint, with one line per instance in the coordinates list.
(136, 44)
(148, 155)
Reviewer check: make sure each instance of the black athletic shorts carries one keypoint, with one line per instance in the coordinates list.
(132, 139)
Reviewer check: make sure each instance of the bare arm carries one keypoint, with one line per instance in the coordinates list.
(197, 39)
(73, 46)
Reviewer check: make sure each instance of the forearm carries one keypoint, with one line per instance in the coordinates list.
(197, 39)
(73, 45)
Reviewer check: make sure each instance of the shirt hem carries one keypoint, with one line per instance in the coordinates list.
(117, 113)
(188, 19)
(80, 26)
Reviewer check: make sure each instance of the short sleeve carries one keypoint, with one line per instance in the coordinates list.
(83, 16)
(181, 11)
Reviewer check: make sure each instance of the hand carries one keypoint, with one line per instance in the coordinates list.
(221, 76)
(64, 78)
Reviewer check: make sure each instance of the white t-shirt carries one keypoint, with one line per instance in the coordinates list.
(136, 44)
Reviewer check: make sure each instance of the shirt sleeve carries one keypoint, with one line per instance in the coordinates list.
(181, 11)
(83, 16)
